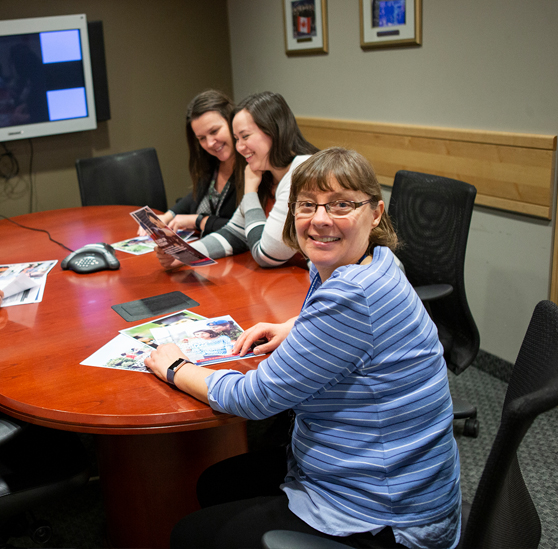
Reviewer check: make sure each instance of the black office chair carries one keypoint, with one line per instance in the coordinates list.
(131, 178)
(432, 215)
(502, 514)
(37, 466)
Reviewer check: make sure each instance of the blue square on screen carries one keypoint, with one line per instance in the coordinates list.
(64, 104)
(60, 46)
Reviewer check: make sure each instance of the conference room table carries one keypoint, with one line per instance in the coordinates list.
(152, 440)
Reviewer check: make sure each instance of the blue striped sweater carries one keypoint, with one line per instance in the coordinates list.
(363, 370)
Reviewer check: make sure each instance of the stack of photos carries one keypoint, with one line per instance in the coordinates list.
(204, 341)
(24, 283)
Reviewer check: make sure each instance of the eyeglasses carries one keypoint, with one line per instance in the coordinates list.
(338, 208)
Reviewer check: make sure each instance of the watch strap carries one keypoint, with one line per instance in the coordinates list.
(173, 368)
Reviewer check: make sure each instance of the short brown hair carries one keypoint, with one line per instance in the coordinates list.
(352, 171)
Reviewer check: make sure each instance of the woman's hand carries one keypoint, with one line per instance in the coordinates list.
(1, 296)
(183, 222)
(167, 261)
(162, 357)
(272, 335)
(189, 378)
(252, 180)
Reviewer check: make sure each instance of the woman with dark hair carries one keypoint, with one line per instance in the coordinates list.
(372, 459)
(214, 194)
(270, 146)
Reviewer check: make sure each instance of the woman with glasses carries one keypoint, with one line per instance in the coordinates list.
(269, 146)
(372, 460)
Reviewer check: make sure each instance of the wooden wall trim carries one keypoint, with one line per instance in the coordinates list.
(511, 171)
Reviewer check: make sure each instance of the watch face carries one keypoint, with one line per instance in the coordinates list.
(172, 369)
(175, 364)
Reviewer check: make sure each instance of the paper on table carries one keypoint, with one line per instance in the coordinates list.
(18, 284)
(121, 353)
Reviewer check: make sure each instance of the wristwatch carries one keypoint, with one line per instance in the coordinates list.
(173, 368)
(199, 219)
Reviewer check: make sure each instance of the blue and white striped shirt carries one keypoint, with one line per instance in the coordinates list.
(372, 444)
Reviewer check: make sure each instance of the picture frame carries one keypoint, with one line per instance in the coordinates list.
(305, 24)
(390, 23)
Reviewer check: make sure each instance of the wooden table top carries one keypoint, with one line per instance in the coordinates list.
(42, 345)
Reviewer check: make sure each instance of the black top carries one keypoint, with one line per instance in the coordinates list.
(189, 205)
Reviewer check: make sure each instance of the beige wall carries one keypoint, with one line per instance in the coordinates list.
(486, 65)
(159, 55)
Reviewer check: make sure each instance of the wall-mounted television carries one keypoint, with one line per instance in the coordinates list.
(46, 86)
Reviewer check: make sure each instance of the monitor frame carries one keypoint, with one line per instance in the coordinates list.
(47, 24)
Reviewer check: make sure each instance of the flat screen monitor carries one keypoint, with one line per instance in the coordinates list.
(46, 86)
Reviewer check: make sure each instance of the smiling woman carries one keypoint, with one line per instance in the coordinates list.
(269, 146)
(336, 212)
(214, 196)
(372, 461)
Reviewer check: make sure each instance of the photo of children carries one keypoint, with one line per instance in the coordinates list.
(210, 341)
(203, 340)
(169, 329)
(120, 353)
(132, 359)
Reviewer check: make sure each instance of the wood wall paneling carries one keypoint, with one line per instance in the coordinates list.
(513, 172)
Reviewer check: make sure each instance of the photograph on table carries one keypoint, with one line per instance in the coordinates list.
(140, 245)
(305, 23)
(174, 327)
(390, 23)
(121, 353)
(210, 341)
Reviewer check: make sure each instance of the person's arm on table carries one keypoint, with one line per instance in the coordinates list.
(189, 378)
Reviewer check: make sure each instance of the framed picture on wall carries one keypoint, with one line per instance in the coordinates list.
(388, 23)
(305, 23)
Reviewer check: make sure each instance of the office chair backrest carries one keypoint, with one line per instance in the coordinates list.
(132, 178)
(502, 513)
(432, 216)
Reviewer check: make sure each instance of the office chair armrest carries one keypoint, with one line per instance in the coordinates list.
(286, 539)
(10, 427)
(432, 292)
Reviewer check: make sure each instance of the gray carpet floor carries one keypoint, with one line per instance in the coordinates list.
(79, 521)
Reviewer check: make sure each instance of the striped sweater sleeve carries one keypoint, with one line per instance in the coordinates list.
(249, 229)
(324, 346)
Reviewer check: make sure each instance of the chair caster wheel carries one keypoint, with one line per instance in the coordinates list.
(40, 531)
(471, 428)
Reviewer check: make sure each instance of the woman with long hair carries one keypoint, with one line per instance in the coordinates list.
(269, 146)
(214, 194)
